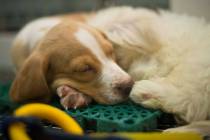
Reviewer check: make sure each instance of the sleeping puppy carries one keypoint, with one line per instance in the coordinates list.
(166, 54)
(168, 57)
(68, 58)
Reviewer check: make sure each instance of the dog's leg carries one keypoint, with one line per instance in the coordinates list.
(201, 127)
(162, 94)
(70, 98)
(155, 94)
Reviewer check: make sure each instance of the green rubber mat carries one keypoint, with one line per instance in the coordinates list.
(100, 118)
(121, 117)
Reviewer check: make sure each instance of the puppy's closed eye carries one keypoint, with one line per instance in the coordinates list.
(84, 72)
(84, 69)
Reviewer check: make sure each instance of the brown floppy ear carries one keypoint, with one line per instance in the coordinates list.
(30, 83)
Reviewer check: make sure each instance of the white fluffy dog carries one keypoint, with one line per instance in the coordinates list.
(168, 55)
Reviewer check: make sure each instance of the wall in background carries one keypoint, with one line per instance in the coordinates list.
(200, 8)
(6, 66)
(15, 13)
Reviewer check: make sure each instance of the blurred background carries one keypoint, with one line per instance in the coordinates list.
(15, 13)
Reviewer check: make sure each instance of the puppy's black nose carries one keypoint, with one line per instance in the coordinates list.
(124, 88)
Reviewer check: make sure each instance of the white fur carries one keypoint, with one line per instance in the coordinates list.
(201, 127)
(35, 31)
(89, 41)
(111, 72)
(169, 52)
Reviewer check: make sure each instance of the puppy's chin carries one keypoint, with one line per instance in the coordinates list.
(71, 97)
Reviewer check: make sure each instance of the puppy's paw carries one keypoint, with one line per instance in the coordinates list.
(71, 98)
(181, 129)
(200, 127)
(147, 93)
(161, 94)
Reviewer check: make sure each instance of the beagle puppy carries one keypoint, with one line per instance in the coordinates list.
(90, 57)
(63, 55)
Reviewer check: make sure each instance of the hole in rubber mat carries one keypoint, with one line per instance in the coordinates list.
(111, 118)
(144, 115)
(129, 121)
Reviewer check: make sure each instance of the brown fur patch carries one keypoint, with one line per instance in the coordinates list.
(104, 43)
(65, 56)
(19, 53)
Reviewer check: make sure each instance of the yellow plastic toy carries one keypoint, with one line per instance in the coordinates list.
(43, 111)
(54, 115)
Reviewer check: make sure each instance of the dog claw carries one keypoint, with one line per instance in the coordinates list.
(71, 98)
(66, 108)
